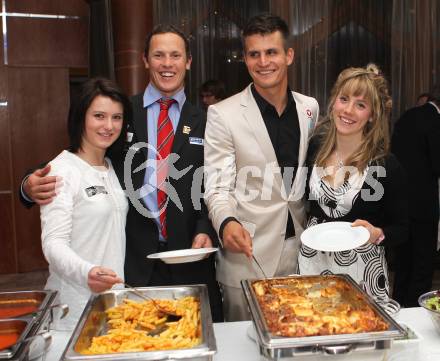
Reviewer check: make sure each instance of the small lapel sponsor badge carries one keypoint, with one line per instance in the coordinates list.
(94, 190)
(197, 141)
(186, 129)
(129, 137)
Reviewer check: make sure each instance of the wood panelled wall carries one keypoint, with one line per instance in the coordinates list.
(34, 98)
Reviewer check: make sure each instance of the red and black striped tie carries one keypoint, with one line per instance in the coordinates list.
(165, 137)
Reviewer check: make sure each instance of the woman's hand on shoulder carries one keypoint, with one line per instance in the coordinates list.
(376, 233)
(101, 279)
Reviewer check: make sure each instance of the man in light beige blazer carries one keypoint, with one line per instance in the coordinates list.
(251, 141)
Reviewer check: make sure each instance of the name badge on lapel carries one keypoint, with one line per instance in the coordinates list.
(196, 141)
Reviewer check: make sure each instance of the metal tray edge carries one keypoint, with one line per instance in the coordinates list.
(266, 341)
(207, 349)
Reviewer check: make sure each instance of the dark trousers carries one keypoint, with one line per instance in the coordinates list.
(161, 275)
(414, 263)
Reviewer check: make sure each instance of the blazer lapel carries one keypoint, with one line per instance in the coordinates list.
(304, 119)
(303, 125)
(252, 114)
(186, 122)
(140, 123)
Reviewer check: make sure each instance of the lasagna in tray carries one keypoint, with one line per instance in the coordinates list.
(315, 306)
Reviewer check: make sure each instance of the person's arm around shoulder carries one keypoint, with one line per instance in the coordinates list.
(39, 187)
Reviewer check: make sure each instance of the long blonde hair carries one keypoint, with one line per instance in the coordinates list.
(367, 82)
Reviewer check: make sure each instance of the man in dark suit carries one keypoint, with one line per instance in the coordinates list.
(416, 144)
(166, 57)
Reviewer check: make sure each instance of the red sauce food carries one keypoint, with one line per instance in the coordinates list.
(8, 339)
(17, 310)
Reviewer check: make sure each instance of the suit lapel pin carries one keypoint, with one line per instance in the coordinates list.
(309, 113)
(186, 129)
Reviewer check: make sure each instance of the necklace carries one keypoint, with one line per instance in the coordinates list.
(339, 161)
(91, 161)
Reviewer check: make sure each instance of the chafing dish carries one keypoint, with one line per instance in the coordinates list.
(16, 307)
(283, 348)
(93, 322)
(13, 332)
(17, 303)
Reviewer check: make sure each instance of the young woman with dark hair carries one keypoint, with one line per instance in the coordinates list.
(83, 228)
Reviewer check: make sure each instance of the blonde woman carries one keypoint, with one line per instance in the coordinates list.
(354, 178)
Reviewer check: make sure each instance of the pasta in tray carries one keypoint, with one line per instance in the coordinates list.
(315, 306)
(130, 322)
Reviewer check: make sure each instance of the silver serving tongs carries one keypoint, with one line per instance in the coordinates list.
(171, 316)
(259, 266)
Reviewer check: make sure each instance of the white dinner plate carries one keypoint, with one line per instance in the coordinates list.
(183, 255)
(334, 236)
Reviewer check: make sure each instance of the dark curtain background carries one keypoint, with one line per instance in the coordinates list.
(214, 28)
(415, 57)
(101, 55)
(401, 36)
(331, 35)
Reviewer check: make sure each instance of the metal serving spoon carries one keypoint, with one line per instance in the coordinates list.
(171, 316)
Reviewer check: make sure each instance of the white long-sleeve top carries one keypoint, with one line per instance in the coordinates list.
(83, 227)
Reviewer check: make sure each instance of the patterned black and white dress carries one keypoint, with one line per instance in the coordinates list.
(366, 263)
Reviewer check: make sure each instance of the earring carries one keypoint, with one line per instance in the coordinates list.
(370, 120)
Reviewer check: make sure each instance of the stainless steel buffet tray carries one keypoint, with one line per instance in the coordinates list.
(17, 326)
(282, 348)
(27, 325)
(17, 299)
(93, 322)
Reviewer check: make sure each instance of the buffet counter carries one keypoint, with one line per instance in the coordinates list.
(235, 343)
